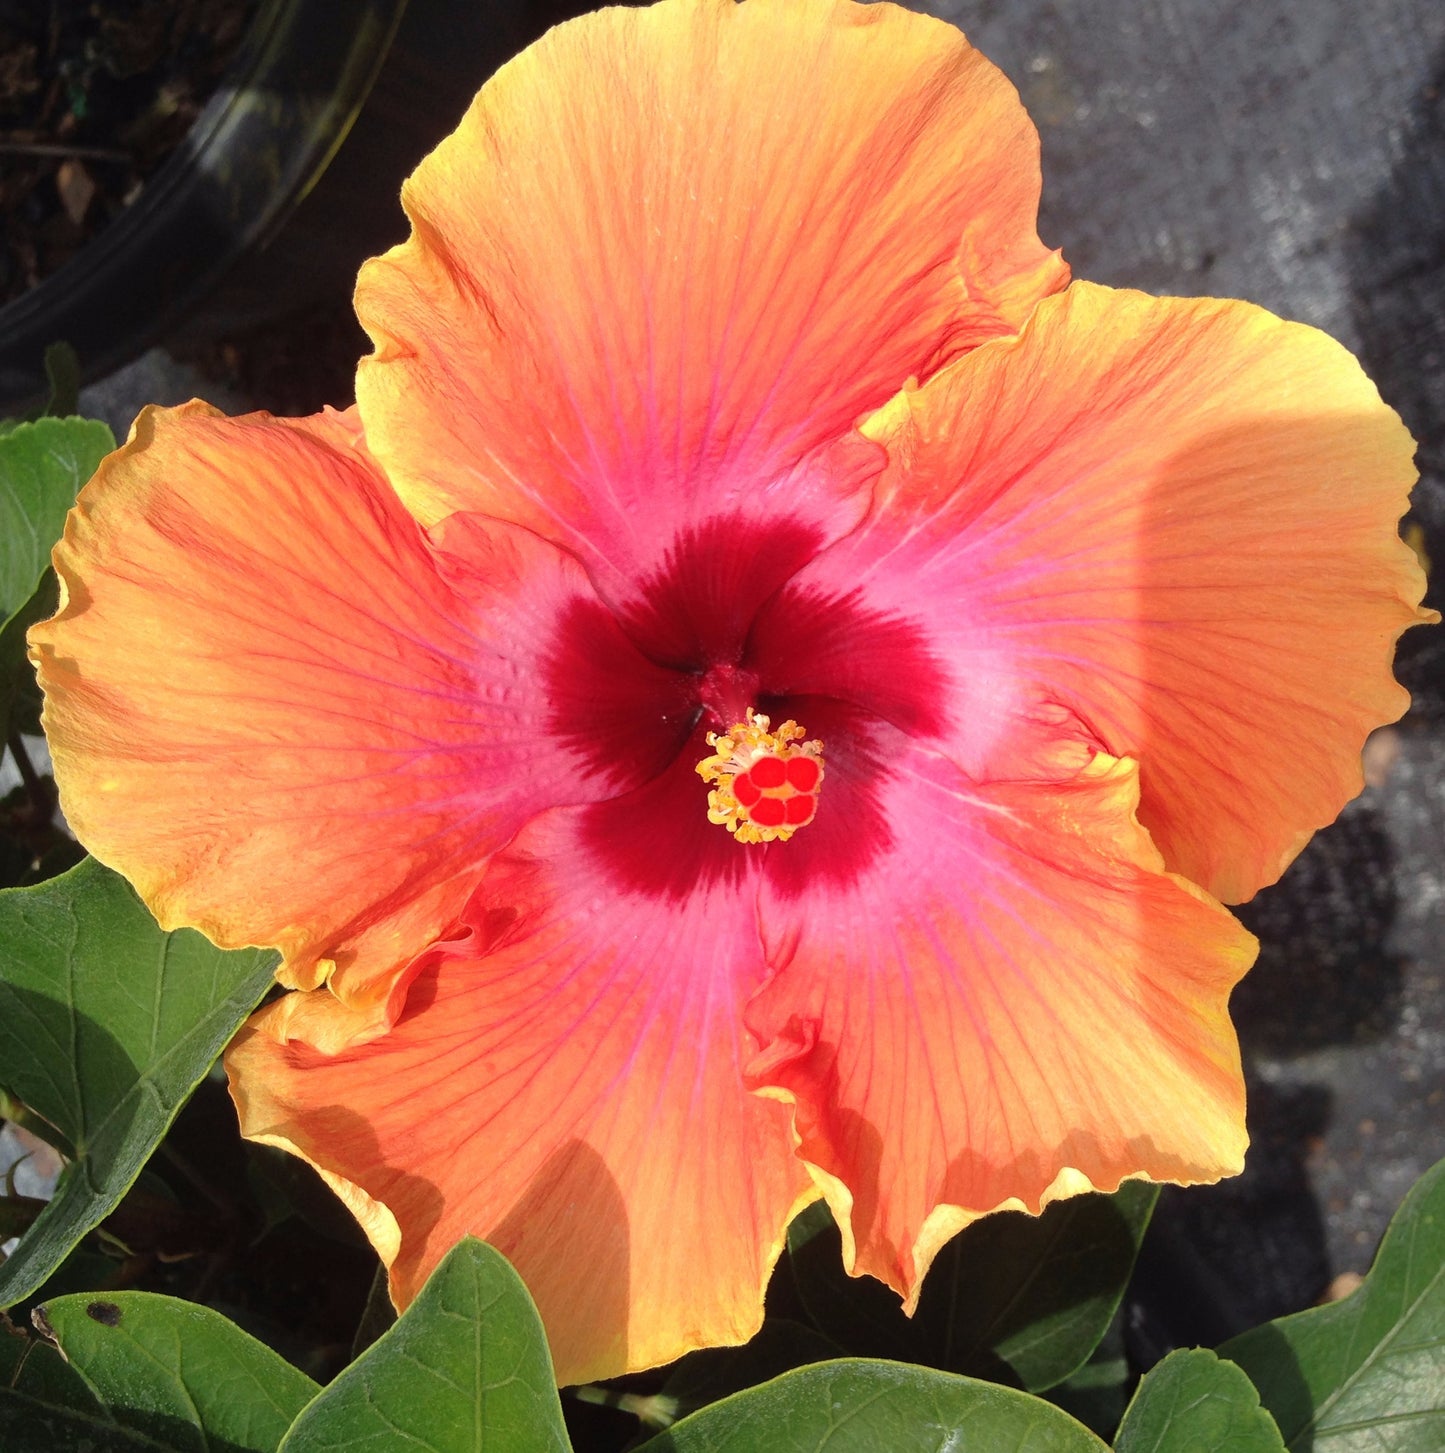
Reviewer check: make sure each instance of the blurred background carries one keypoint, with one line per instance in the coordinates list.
(1291, 152)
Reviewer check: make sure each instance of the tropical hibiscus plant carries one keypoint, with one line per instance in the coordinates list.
(738, 747)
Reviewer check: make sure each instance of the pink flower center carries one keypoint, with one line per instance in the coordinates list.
(723, 628)
(765, 783)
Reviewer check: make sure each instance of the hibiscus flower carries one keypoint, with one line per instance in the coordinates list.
(763, 698)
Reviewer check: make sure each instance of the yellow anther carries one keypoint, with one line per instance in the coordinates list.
(766, 782)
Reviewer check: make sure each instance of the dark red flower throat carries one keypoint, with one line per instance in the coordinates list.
(727, 623)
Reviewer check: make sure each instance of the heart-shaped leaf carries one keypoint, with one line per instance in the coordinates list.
(44, 1402)
(1367, 1372)
(855, 1406)
(107, 1024)
(704, 1376)
(1098, 1392)
(178, 1376)
(42, 467)
(1195, 1402)
(19, 690)
(465, 1367)
(1013, 1297)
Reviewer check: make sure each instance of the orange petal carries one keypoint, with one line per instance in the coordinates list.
(269, 711)
(1012, 1004)
(1174, 519)
(564, 1081)
(671, 250)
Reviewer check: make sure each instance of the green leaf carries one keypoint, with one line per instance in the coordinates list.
(711, 1373)
(175, 1374)
(378, 1316)
(42, 467)
(1195, 1402)
(85, 1269)
(1015, 1298)
(46, 1405)
(466, 1367)
(19, 690)
(1367, 1372)
(861, 1316)
(855, 1406)
(1099, 1391)
(106, 1026)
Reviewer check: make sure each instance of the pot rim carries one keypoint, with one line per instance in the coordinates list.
(280, 113)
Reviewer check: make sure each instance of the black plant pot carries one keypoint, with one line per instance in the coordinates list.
(279, 115)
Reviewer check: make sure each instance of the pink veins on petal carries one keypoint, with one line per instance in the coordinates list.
(728, 420)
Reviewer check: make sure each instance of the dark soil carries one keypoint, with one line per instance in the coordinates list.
(94, 96)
